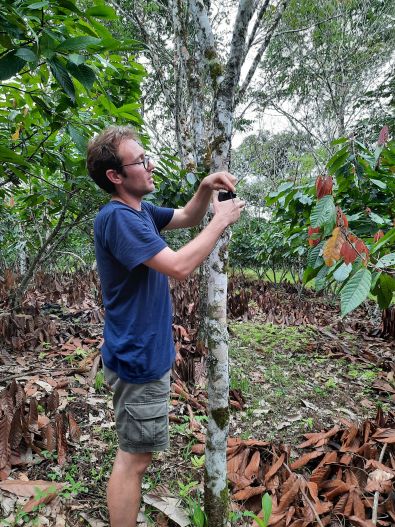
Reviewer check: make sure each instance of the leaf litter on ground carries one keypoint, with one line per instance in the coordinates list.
(341, 472)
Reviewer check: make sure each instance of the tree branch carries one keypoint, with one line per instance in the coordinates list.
(257, 24)
(261, 51)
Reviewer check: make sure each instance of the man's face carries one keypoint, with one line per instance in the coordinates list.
(137, 180)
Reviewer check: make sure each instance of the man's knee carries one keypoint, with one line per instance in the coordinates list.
(136, 463)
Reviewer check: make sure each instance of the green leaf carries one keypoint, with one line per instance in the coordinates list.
(266, 507)
(83, 73)
(343, 272)
(102, 11)
(77, 43)
(309, 274)
(355, 291)
(379, 183)
(320, 280)
(70, 5)
(389, 237)
(324, 212)
(10, 64)
(339, 155)
(76, 59)
(386, 261)
(8, 155)
(384, 290)
(26, 54)
(314, 258)
(80, 141)
(191, 178)
(108, 104)
(129, 108)
(38, 5)
(339, 163)
(377, 219)
(339, 141)
(5, 41)
(63, 78)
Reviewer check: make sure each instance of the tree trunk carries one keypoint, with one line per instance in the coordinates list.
(388, 318)
(216, 487)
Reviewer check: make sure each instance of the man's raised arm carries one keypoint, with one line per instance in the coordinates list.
(194, 211)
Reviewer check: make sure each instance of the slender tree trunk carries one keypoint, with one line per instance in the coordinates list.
(216, 487)
(225, 83)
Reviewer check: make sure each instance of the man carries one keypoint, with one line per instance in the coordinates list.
(134, 263)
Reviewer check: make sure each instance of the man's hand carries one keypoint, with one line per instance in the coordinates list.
(220, 181)
(228, 211)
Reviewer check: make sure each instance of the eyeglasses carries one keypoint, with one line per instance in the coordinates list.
(145, 162)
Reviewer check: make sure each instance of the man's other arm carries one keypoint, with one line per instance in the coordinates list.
(179, 264)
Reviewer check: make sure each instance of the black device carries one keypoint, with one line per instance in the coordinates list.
(224, 196)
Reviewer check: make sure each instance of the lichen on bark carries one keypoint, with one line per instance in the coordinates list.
(218, 506)
(221, 417)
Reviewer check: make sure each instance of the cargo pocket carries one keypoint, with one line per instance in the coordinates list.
(147, 423)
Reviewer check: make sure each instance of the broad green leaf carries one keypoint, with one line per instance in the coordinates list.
(10, 64)
(309, 273)
(70, 5)
(314, 258)
(6, 154)
(343, 272)
(354, 217)
(377, 219)
(379, 183)
(127, 108)
(191, 178)
(26, 54)
(102, 11)
(5, 41)
(38, 5)
(80, 141)
(63, 78)
(285, 186)
(108, 105)
(377, 153)
(266, 507)
(355, 291)
(77, 43)
(324, 212)
(386, 261)
(83, 73)
(320, 279)
(384, 290)
(76, 59)
(303, 198)
(339, 141)
(339, 163)
(339, 154)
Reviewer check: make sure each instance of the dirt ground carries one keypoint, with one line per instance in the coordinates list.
(291, 380)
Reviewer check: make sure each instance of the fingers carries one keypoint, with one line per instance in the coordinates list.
(223, 180)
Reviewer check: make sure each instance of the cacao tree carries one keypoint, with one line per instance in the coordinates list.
(63, 77)
(352, 225)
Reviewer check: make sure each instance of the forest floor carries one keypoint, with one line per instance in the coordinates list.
(286, 381)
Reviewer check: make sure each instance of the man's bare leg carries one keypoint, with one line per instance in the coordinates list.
(124, 487)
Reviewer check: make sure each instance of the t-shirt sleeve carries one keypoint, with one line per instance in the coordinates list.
(130, 240)
(161, 215)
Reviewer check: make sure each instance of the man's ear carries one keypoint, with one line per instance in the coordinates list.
(114, 176)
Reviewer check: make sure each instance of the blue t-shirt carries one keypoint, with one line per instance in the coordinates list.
(138, 340)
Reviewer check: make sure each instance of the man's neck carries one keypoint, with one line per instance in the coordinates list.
(131, 201)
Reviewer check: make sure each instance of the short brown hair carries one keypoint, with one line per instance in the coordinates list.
(102, 154)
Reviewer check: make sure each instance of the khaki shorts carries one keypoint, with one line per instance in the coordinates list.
(141, 413)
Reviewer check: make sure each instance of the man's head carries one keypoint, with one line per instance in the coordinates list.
(104, 155)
